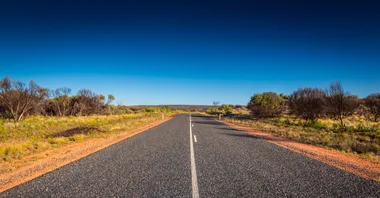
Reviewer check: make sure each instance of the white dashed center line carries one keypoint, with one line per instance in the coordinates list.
(194, 180)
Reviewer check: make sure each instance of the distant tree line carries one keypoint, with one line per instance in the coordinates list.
(314, 103)
(19, 100)
(224, 109)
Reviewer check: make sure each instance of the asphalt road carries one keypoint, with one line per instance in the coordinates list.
(218, 162)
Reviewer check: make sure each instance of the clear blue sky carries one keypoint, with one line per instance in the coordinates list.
(191, 52)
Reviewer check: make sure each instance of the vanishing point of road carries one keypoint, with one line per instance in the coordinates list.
(195, 156)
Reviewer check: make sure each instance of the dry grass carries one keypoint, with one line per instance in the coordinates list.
(38, 133)
(361, 137)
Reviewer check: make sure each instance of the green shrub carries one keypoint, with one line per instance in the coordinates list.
(226, 109)
(267, 104)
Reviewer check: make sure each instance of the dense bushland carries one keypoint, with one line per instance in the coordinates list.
(315, 103)
(18, 100)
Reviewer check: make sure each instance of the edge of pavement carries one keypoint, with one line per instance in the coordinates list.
(50, 160)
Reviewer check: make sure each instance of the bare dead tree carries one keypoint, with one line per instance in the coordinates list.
(373, 103)
(340, 104)
(20, 99)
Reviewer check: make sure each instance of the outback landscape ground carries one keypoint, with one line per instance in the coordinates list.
(158, 161)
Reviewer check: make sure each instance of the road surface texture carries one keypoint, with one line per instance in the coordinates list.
(217, 161)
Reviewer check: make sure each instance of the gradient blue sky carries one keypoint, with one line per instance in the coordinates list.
(191, 52)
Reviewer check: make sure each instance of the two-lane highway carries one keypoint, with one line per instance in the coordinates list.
(195, 156)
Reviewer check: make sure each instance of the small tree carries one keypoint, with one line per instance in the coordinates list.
(19, 99)
(110, 99)
(267, 104)
(373, 103)
(307, 103)
(226, 109)
(339, 103)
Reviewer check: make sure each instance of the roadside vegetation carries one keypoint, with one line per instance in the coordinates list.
(39, 133)
(35, 119)
(331, 118)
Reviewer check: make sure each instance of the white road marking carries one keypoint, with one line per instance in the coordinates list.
(194, 180)
(195, 138)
